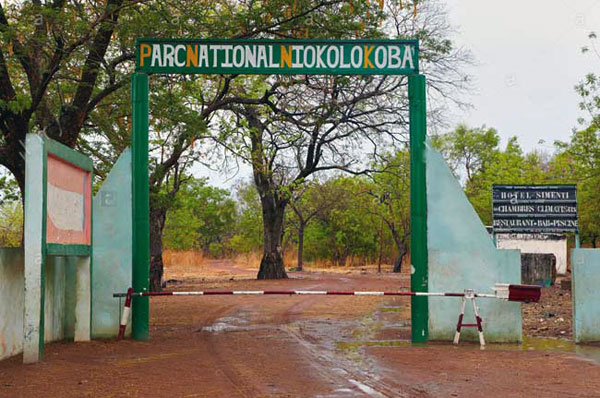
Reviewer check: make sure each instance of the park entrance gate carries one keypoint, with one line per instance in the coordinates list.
(290, 57)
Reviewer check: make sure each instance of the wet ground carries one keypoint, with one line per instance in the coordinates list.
(552, 316)
(298, 346)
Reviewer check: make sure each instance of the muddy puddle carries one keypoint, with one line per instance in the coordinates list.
(585, 352)
(387, 327)
(373, 327)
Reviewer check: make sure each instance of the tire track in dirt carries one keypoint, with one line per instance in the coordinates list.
(245, 386)
(325, 361)
(332, 367)
(246, 380)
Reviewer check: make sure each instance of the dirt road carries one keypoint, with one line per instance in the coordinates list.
(300, 346)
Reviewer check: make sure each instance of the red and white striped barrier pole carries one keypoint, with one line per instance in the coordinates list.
(524, 293)
(125, 315)
(287, 293)
(521, 293)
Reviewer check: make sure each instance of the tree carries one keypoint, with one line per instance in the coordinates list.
(308, 202)
(477, 150)
(69, 75)
(57, 63)
(249, 228)
(201, 217)
(468, 150)
(352, 224)
(589, 88)
(580, 158)
(183, 107)
(11, 212)
(391, 189)
(579, 162)
(300, 126)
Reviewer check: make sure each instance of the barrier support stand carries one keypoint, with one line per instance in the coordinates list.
(469, 295)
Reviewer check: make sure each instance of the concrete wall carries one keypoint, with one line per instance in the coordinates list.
(11, 301)
(59, 304)
(535, 243)
(112, 246)
(586, 294)
(463, 256)
(111, 272)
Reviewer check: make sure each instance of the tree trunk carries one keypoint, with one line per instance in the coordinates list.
(271, 265)
(300, 245)
(273, 203)
(402, 252)
(398, 262)
(20, 178)
(157, 223)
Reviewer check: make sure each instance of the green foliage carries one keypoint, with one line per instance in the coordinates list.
(346, 214)
(579, 159)
(316, 239)
(346, 228)
(575, 162)
(579, 162)
(391, 189)
(476, 152)
(249, 227)
(9, 190)
(589, 88)
(468, 149)
(201, 217)
(11, 224)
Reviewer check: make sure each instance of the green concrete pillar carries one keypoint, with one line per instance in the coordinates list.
(418, 208)
(140, 212)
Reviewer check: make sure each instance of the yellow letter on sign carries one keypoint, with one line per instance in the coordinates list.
(144, 53)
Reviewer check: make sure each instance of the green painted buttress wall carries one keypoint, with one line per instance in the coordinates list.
(586, 294)
(462, 256)
(112, 247)
(59, 305)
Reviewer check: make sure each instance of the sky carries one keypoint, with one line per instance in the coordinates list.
(527, 61)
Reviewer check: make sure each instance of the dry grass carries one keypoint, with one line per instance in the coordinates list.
(248, 260)
(193, 264)
(187, 258)
(290, 259)
(181, 264)
(190, 264)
